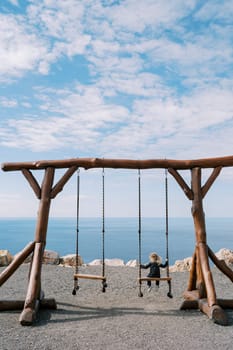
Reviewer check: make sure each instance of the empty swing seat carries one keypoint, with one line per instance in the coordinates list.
(90, 277)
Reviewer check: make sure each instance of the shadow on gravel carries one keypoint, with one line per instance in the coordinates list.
(74, 313)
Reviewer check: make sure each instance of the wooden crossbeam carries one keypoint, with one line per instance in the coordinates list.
(88, 163)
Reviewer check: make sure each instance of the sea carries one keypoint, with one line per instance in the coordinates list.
(121, 236)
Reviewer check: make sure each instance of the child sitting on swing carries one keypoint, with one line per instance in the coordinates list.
(154, 264)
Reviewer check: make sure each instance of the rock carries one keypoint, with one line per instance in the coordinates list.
(51, 257)
(108, 262)
(95, 262)
(181, 265)
(70, 260)
(5, 258)
(226, 255)
(132, 263)
(114, 262)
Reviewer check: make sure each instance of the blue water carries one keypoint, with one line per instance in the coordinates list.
(121, 236)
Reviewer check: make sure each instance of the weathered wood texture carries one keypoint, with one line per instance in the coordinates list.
(43, 214)
(8, 305)
(88, 163)
(33, 293)
(32, 181)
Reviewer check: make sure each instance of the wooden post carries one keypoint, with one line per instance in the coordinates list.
(28, 315)
(200, 267)
(204, 274)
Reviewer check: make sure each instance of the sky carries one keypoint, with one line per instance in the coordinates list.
(115, 79)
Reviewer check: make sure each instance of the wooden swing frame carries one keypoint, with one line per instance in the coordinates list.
(200, 293)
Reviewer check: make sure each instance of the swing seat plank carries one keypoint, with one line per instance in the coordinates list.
(90, 277)
(154, 279)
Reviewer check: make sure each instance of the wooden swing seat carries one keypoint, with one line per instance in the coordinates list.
(154, 279)
(90, 277)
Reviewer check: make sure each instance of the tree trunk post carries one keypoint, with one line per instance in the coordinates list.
(32, 301)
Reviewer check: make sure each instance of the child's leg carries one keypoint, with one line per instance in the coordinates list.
(149, 283)
(157, 283)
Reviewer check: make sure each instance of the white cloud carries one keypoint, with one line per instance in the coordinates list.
(7, 102)
(20, 49)
(83, 120)
(14, 2)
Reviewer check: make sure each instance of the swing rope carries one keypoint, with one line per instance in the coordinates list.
(76, 286)
(169, 294)
(140, 279)
(140, 294)
(103, 231)
(77, 275)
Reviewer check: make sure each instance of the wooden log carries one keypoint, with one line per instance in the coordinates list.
(17, 261)
(189, 304)
(43, 214)
(199, 222)
(8, 305)
(208, 278)
(191, 295)
(221, 265)
(187, 191)
(61, 183)
(210, 181)
(214, 312)
(90, 277)
(28, 314)
(32, 182)
(88, 163)
(193, 273)
(200, 279)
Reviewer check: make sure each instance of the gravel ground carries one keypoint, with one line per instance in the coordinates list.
(117, 319)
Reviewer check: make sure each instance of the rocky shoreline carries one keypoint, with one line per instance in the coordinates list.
(51, 257)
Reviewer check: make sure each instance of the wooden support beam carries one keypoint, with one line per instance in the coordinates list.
(214, 312)
(61, 183)
(32, 301)
(88, 163)
(43, 213)
(18, 260)
(210, 181)
(200, 230)
(31, 305)
(187, 191)
(192, 295)
(207, 274)
(8, 305)
(221, 265)
(32, 182)
(193, 273)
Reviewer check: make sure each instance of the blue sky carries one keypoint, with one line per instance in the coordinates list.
(115, 79)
